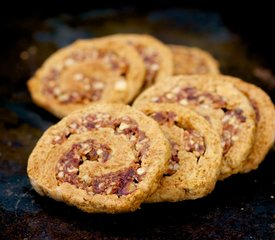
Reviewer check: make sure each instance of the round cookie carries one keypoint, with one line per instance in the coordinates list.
(103, 158)
(265, 122)
(226, 108)
(191, 60)
(196, 152)
(86, 72)
(156, 56)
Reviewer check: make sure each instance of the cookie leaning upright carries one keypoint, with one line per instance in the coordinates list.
(196, 152)
(156, 56)
(86, 72)
(265, 122)
(191, 60)
(225, 107)
(103, 158)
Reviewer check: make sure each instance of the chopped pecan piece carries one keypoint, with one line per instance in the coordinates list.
(164, 117)
(193, 142)
(256, 109)
(231, 125)
(173, 163)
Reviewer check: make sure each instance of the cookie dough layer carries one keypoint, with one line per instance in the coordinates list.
(196, 153)
(87, 72)
(225, 107)
(104, 158)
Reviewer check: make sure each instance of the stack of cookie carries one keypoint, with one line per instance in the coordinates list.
(188, 126)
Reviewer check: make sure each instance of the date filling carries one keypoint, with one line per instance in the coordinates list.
(231, 127)
(190, 96)
(122, 182)
(89, 88)
(191, 140)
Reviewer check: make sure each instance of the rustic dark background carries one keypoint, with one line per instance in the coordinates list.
(240, 37)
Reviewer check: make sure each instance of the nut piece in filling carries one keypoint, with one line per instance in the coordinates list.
(195, 160)
(225, 107)
(81, 162)
(86, 72)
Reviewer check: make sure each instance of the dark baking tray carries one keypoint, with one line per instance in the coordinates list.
(241, 207)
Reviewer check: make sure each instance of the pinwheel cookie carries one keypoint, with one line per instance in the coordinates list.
(190, 61)
(196, 152)
(87, 72)
(103, 158)
(156, 56)
(225, 107)
(265, 122)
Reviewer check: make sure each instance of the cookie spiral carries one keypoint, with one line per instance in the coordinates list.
(191, 60)
(195, 161)
(104, 158)
(225, 107)
(85, 72)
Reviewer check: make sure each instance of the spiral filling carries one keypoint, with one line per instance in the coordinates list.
(190, 96)
(151, 61)
(231, 121)
(122, 182)
(191, 140)
(90, 88)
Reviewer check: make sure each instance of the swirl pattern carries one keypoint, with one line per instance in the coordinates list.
(195, 161)
(218, 101)
(100, 159)
(87, 72)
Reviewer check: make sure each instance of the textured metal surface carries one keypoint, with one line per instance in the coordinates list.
(241, 207)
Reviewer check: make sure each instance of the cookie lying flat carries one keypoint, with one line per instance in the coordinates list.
(226, 108)
(265, 122)
(156, 56)
(196, 152)
(103, 158)
(190, 61)
(87, 72)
